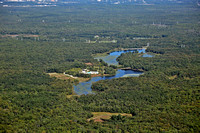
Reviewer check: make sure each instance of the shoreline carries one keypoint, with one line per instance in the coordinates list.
(100, 75)
(117, 49)
(129, 68)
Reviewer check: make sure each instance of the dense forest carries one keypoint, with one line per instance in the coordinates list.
(37, 41)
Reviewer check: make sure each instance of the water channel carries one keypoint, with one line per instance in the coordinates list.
(85, 87)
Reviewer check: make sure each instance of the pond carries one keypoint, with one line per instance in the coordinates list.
(111, 58)
(85, 87)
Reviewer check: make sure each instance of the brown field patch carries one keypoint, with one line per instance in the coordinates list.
(101, 116)
(59, 76)
(173, 77)
(64, 77)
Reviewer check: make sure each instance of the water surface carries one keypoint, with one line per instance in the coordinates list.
(85, 87)
(111, 58)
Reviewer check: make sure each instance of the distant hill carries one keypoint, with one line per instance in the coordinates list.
(137, 1)
(143, 2)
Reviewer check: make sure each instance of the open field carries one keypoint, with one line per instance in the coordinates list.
(64, 77)
(59, 76)
(101, 116)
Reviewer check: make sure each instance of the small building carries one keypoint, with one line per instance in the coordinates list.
(94, 72)
(85, 71)
(97, 36)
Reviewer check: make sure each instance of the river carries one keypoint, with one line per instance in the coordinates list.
(85, 87)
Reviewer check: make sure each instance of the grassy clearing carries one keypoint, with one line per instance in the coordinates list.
(101, 116)
(173, 77)
(59, 76)
(64, 77)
